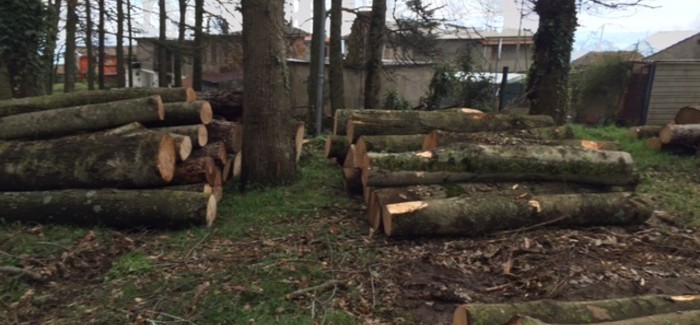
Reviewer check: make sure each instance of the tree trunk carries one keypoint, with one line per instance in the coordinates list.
(373, 79)
(677, 318)
(197, 133)
(687, 135)
(197, 45)
(196, 171)
(230, 133)
(268, 151)
(452, 121)
(183, 113)
(548, 77)
(53, 18)
(101, 45)
(336, 147)
(71, 120)
(162, 49)
(42, 103)
(381, 197)
(469, 163)
(113, 208)
(576, 312)
(216, 150)
(5, 83)
(644, 131)
(121, 73)
(439, 138)
(319, 25)
(335, 56)
(131, 47)
(69, 57)
(688, 115)
(479, 215)
(141, 161)
(90, 75)
(177, 70)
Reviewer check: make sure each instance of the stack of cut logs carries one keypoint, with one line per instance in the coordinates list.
(682, 135)
(464, 172)
(131, 157)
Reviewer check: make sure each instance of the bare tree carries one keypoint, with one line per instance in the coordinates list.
(52, 16)
(180, 43)
(317, 40)
(374, 59)
(162, 50)
(89, 46)
(131, 48)
(335, 72)
(121, 73)
(101, 45)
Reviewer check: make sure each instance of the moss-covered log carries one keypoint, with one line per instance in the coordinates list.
(479, 215)
(337, 147)
(185, 113)
(644, 131)
(183, 143)
(438, 138)
(388, 143)
(71, 120)
(342, 116)
(216, 150)
(230, 133)
(391, 195)
(687, 135)
(691, 317)
(114, 208)
(451, 120)
(199, 136)
(446, 139)
(688, 115)
(126, 129)
(470, 163)
(576, 312)
(196, 171)
(142, 161)
(34, 104)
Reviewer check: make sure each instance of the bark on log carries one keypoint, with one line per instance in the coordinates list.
(71, 120)
(452, 121)
(470, 163)
(645, 131)
(183, 144)
(196, 171)
(225, 103)
(63, 100)
(185, 113)
(688, 115)
(342, 116)
(114, 208)
(126, 129)
(381, 197)
(198, 133)
(142, 161)
(216, 191)
(227, 170)
(388, 143)
(479, 215)
(446, 139)
(438, 138)
(575, 312)
(230, 133)
(336, 147)
(687, 135)
(691, 317)
(216, 150)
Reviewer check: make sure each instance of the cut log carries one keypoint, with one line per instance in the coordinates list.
(71, 120)
(63, 100)
(196, 171)
(237, 165)
(392, 195)
(226, 171)
(185, 113)
(142, 161)
(438, 138)
(227, 103)
(198, 133)
(337, 147)
(298, 136)
(126, 129)
(687, 135)
(230, 133)
(217, 191)
(494, 138)
(114, 208)
(350, 158)
(216, 150)
(342, 116)
(645, 131)
(479, 215)
(576, 312)
(452, 121)
(387, 143)
(654, 143)
(183, 145)
(470, 163)
(353, 181)
(688, 115)
(691, 317)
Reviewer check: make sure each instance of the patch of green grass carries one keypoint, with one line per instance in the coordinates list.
(58, 87)
(130, 264)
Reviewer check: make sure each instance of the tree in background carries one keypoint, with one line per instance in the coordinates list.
(101, 44)
(197, 51)
(373, 65)
(162, 50)
(268, 154)
(177, 70)
(317, 40)
(89, 46)
(53, 13)
(121, 73)
(335, 69)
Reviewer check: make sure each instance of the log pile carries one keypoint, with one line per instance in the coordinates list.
(682, 135)
(147, 157)
(467, 173)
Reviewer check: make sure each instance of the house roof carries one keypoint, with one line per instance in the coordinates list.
(662, 40)
(458, 32)
(593, 57)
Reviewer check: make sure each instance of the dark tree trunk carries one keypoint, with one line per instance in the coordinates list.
(177, 69)
(5, 84)
(69, 58)
(162, 50)
(374, 59)
(131, 47)
(54, 11)
(89, 46)
(268, 152)
(121, 74)
(101, 45)
(319, 24)
(335, 73)
(197, 50)
(548, 75)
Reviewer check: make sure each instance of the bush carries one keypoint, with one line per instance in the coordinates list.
(394, 101)
(597, 91)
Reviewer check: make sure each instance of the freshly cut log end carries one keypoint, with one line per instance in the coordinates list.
(217, 192)
(195, 171)
(228, 168)
(126, 129)
(158, 106)
(654, 143)
(237, 165)
(299, 131)
(166, 158)
(183, 145)
(687, 135)
(206, 114)
(211, 210)
(198, 133)
(688, 115)
(202, 136)
(190, 94)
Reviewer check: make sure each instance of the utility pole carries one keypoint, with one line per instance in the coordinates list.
(321, 66)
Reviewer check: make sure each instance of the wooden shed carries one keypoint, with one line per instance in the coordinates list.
(672, 85)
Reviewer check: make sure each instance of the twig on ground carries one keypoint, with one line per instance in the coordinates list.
(197, 244)
(13, 270)
(322, 286)
(523, 229)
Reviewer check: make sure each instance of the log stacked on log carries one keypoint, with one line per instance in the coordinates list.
(682, 135)
(464, 172)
